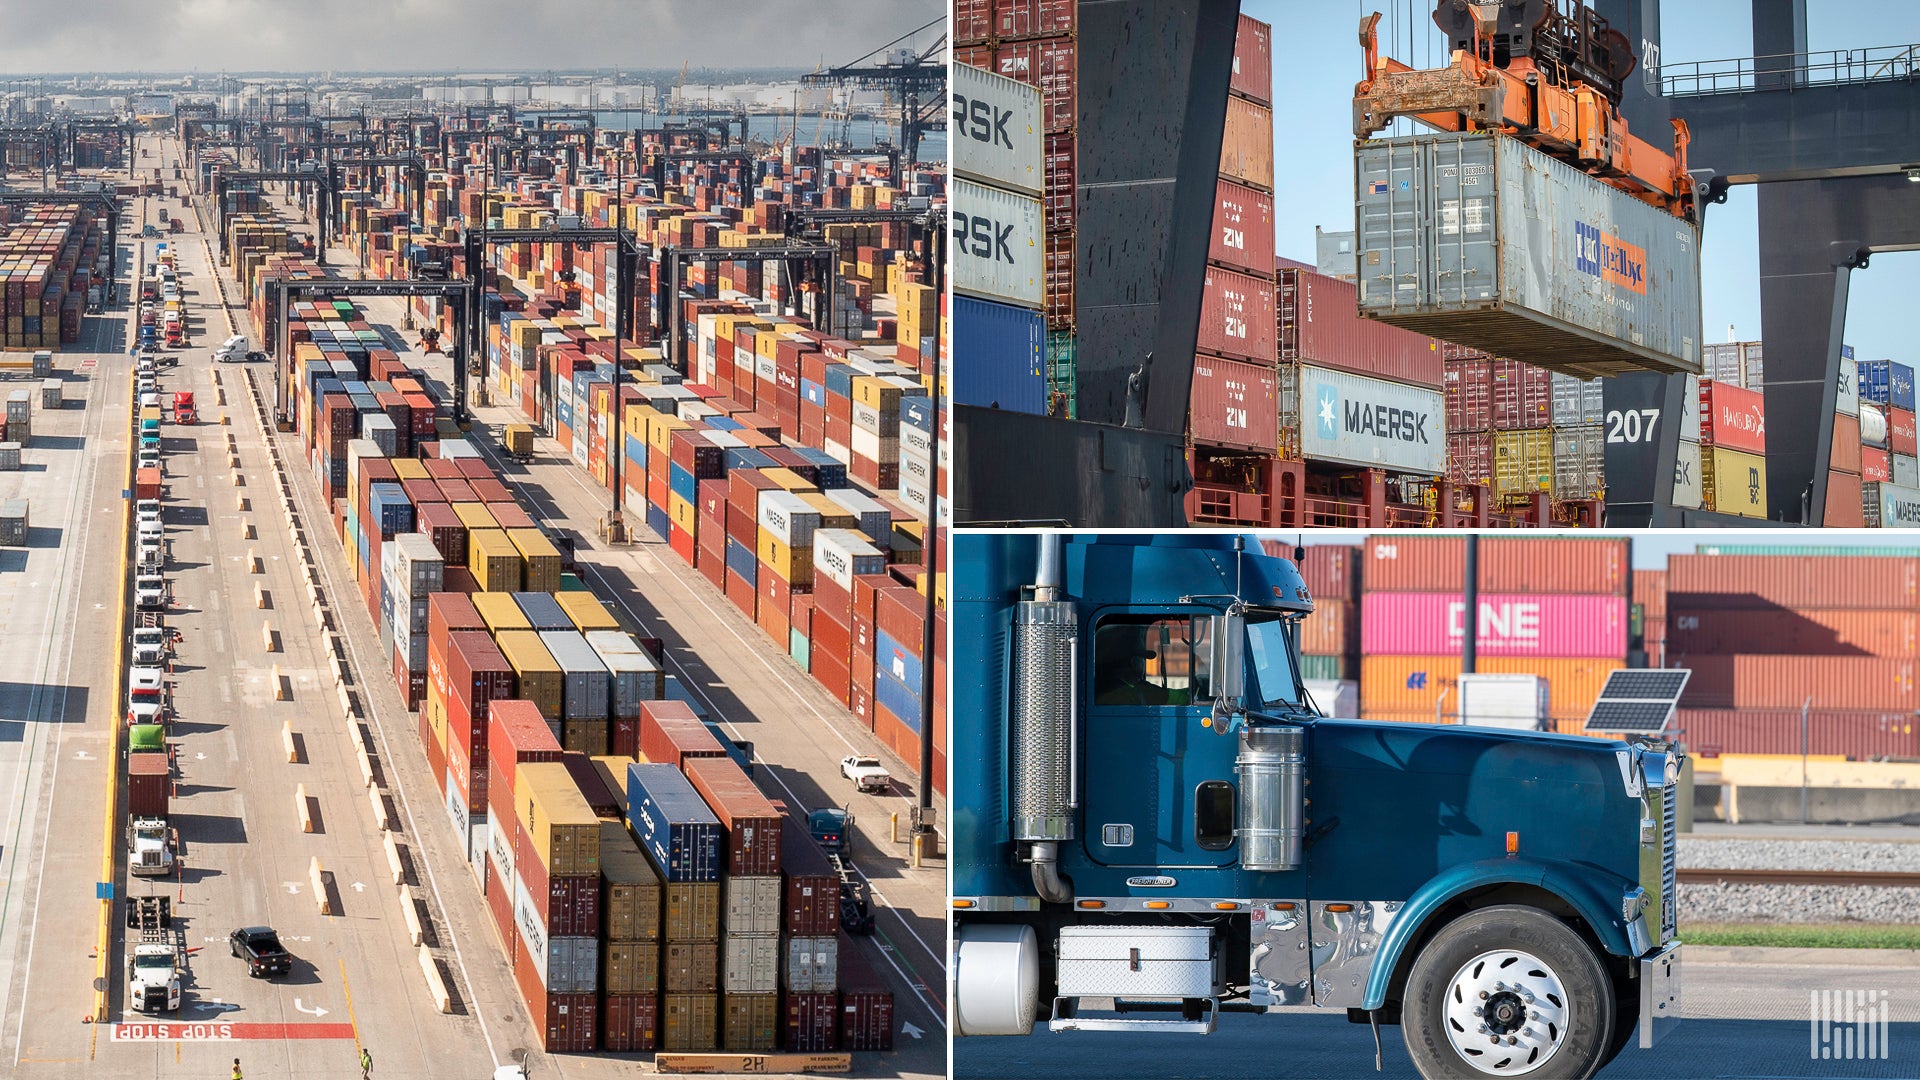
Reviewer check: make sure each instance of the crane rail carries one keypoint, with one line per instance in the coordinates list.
(1878, 878)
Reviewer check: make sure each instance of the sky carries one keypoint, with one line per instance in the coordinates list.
(437, 35)
(1651, 547)
(1317, 61)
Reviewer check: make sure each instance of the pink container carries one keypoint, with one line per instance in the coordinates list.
(1539, 624)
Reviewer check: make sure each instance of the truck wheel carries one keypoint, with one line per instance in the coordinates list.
(1508, 991)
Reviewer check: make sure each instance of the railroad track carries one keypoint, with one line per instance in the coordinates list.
(1882, 878)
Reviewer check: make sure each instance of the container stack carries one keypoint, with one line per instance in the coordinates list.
(1650, 603)
(50, 256)
(998, 305)
(1330, 637)
(1232, 422)
(1555, 608)
(1503, 425)
(1886, 423)
(750, 902)
(1030, 41)
(687, 845)
(556, 887)
(1733, 450)
(1765, 632)
(1845, 495)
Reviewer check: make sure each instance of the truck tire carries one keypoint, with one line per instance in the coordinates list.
(1508, 991)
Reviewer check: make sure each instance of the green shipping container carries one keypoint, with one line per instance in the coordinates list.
(800, 649)
(1325, 667)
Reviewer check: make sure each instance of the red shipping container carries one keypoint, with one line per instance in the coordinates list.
(509, 516)
(812, 907)
(516, 734)
(568, 906)
(1047, 64)
(1782, 682)
(489, 490)
(442, 525)
(1236, 316)
(1845, 454)
(670, 733)
(753, 825)
(1844, 508)
(1253, 61)
(1520, 396)
(1331, 571)
(422, 492)
(625, 736)
(1469, 395)
(866, 1001)
(1233, 404)
(1333, 628)
(1320, 324)
(976, 20)
(1558, 625)
(1735, 417)
(831, 672)
(1734, 582)
(457, 491)
(565, 1023)
(1470, 457)
(1402, 563)
(1242, 227)
(900, 613)
(1876, 465)
(809, 1022)
(1858, 735)
(1795, 632)
(1057, 182)
(629, 1022)
(149, 776)
(741, 593)
(1900, 432)
(474, 468)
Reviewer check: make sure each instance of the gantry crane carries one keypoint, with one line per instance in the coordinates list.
(919, 80)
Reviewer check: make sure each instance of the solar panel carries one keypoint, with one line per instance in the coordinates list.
(1638, 701)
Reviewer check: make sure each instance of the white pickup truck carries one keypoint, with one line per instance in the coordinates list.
(866, 773)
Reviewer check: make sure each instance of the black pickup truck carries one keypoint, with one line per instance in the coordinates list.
(260, 947)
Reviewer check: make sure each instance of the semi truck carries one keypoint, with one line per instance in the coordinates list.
(1153, 824)
(156, 953)
(150, 836)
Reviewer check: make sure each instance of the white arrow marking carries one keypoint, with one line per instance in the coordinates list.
(201, 757)
(315, 1011)
(909, 1029)
(216, 1005)
(357, 887)
(292, 886)
(82, 755)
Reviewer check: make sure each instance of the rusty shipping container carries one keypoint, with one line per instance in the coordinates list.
(1233, 404)
(1845, 455)
(691, 912)
(1798, 632)
(1253, 60)
(1414, 684)
(749, 1022)
(1242, 229)
(1859, 735)
(1485, 241)
(1545, 565)
(1246, 146)
(1236, 316)
(1320, 324)
(753, 824)
(1470, 457)
(1800, 581)
(689, 1022)
(1845, 506)
(1781, 682)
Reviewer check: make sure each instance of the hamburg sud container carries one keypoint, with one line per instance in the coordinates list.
(1732, 417)
(995, 128)
(1372, 423)
(1232, 404)
(997, 249)
(1546, 624)
(1006, 356)
(672, 823)
(1236, 315)
(1484, 241)
(1401, 563)
(752, 823)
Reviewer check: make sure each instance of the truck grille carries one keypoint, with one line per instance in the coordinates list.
(1669, 844)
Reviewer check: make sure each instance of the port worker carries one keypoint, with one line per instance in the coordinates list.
(1119, 678)
(236, 1070)
(366, 1063)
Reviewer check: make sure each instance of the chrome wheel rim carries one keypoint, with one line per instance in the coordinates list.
(1506, 1013)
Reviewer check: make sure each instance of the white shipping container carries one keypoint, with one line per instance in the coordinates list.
(1847, 399)
(1890, 506)
(1506, 701)
(876, 521)
(884, 449)
(752, 904)
(843, 554)
(997, 250)
(1906, 470)
(1354, 420)
(750, 963)
(995, 127)
(1687, 488)
(788, 517)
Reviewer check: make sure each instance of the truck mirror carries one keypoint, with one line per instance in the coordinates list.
(1227, 669)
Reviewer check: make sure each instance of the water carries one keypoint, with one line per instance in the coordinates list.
(809, 131)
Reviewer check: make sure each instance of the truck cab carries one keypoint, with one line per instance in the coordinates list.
(183, 410)
(156, 953)
(149, 847)
(1162, 827)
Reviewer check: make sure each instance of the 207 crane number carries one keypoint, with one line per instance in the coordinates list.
(1629, 427)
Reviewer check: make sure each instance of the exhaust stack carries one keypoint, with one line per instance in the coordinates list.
(1043, 750)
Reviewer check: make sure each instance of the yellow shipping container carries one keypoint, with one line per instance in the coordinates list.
(789, 480)
(1732, 482)
(540, 560)
(519, 440)
(660, 432)
(437, 719)
(692, 911)
(540, 678)
(635, 419)
(587, 612)
(794, 565)
(1522, 463)
(875, 392)
(560, 827)
(500, 612)
(475, 515)
(409, 469)
(764, 344)
(494, 560)
(584, 736)
(832, 514)
(682, 513)
(629, 967)
(1413, 684)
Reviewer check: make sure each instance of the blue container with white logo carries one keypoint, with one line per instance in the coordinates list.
(1006, 356)
(674, 826)
(1884, 382)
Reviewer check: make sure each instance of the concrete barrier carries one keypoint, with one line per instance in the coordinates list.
(286, 739)
(435, 985)
(262, 599)
(254, 565)
(379, 809)
(247, 531)
(300, 803)
(319, 887)
(393, 858)
(244, 504)
(365, 761)
(346, 672)
(410, 912)
(346, 701)
(266, 642)
(238, 479)
(233, 461)
(280, 691)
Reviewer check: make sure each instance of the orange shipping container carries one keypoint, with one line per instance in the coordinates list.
(1846, 444)
(1413, 684)
(1830, 632)
(1650, 592)
(1782, 682)
(1544, 565)
(1332, 629)
(1747, 582)
(1246, 146)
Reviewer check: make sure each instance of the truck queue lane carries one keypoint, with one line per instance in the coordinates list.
(59, 598)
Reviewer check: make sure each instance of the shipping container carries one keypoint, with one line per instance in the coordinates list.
(753, 824)
(537, 677)
(690, 967)
(1333, 629)
(1320, 324)
(1353, 420)
(1797, 632)
(749, 963)
(866, 1002)
(1236, 316)
(1784, 682)
(494, 560)
(996, 130)
(1687, 491)
(1331, 571)
(1006, 356)
(1732, 417)
(689, 1022)
(629, 967)
(566, 1022)
(749, 1022)
(997, 252)
(675, 828)
(1246, 144)
(585, 684)
(1252, 61)
(1580, 462)
(149, 778)
(1803, 582)
(1732, 482)
(1886, 384)
(1543, 624)
(1890, 506)
(1403, 563)
(1414, 685)
(630, 905)
(1522, 464)
(753, 903)
(629, 1022)
(559, 828)
(1242, 229)
(691, 911)
(633, 674)
(670, 733)
(1858, 735)
(812, 907)
(811, 965)
(1485, 241)
(1233, 404)
(809, 1023)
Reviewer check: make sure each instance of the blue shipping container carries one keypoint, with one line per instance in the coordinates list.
(813, 393)
(840, 380)
(391, 509)
(1006, 350)
(543, 611)
(682, 483)
(900, 700)
(1884, 382)
(741, 560)
(636, 452)
(657, 520)
(916, 412)
(747, 457)
(723, 423)
(891, 657)
(673, 823)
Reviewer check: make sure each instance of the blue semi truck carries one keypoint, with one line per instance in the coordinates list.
(1152, 824)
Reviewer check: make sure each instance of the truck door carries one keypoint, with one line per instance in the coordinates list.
(1159, 787)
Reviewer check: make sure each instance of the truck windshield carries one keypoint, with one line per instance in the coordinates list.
(1270, 648)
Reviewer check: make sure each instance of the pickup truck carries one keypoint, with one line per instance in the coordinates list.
(866, 773)
(260, 947)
